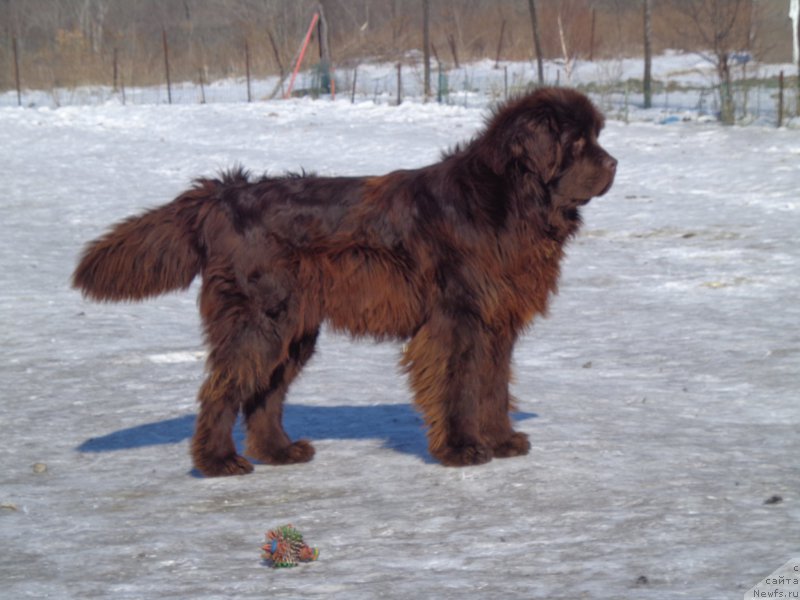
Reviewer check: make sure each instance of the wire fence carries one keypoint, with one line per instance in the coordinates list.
(767, 98)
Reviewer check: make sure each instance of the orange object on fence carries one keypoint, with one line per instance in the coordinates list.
(314, 20)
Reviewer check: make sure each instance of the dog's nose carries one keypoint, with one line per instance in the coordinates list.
(610, 163)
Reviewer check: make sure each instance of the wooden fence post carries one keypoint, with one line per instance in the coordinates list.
(247, 69)
(276, 54)
(116, 70)
(536, 40)
(453, 50)
(500, 44)
(166, 64)
(355, 79)
(16, 71)
(780, 99)
(399, 83)
(439, 83)
(202, 86)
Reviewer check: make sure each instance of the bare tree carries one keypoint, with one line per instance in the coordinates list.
(720, 27)
(92, 16)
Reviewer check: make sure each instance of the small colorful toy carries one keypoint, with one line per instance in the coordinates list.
(285, 548)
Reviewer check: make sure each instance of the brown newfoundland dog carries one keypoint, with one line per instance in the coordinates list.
(456, 258)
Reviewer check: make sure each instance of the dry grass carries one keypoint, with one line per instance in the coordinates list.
(59, 49)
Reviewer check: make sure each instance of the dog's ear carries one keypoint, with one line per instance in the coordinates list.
(526, 140)
(538, 146)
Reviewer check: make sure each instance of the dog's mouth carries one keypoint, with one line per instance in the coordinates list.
(602, 192)
(608, 186)
(594, 188)
(609, 182)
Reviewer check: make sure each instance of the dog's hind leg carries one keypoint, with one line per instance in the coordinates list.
(266, 439)
(213, 449)
(249, 326)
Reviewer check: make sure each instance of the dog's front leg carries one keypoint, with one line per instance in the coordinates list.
(446, 362)
(496, 400)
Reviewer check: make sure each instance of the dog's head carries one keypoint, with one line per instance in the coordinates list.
(552, 135)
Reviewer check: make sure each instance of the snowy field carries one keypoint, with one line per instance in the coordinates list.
(661, 395)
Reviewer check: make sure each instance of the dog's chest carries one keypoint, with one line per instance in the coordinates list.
(529, 278)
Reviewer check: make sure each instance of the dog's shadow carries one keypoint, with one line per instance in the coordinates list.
(398, 425)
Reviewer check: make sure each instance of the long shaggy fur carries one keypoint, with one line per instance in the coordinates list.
(157, 252)
(457, 258)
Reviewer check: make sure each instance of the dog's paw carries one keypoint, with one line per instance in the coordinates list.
(220, 467)
(516, 445)
(297, 452)
(464, 455)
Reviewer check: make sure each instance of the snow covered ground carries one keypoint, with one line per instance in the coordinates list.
(661, 395)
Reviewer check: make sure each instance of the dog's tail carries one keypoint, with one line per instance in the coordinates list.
(154, 253)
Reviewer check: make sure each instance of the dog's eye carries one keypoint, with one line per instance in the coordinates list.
(578, 146)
